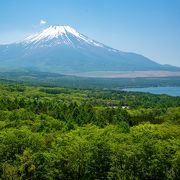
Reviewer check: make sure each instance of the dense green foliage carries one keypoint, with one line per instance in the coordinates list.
(63, 133)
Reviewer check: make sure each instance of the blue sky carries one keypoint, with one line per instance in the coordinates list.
(148, 27)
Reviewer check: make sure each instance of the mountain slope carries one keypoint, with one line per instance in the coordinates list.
(64, 50)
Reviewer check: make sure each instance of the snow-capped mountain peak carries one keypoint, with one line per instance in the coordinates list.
(62, 35)
(52, 32)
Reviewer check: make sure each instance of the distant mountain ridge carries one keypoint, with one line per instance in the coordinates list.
(62, 49)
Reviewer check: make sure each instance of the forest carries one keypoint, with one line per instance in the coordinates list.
(49, 132)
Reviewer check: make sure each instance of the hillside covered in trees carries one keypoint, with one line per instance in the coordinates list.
(68, 133)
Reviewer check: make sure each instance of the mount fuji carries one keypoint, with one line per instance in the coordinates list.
(62, 49)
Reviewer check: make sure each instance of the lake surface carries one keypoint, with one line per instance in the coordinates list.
(172, 91)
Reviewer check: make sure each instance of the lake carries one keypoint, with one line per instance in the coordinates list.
(172, 91)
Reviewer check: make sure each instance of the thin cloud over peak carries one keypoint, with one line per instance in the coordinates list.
(42, 22)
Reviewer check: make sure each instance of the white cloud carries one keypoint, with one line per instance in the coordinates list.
(42, 22)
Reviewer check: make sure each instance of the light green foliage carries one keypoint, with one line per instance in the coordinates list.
(62, 133)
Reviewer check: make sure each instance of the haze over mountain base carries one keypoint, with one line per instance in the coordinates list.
(127, 74)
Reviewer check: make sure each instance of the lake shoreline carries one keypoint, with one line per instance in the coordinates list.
(168, 90)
